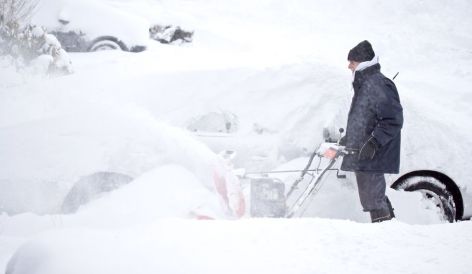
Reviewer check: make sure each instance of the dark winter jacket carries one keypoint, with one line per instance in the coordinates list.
(375, 112)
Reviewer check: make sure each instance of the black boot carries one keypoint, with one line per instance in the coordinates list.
(380, 215)
(384, 214)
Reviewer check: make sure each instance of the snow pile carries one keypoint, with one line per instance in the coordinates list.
(249, 246)
(164, 192)
(103, 139)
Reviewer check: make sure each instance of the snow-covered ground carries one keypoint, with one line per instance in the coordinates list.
(251, 246)
(279, 69)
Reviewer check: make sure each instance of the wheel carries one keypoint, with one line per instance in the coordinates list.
(435, 191)
(90, 187)
(107, 43)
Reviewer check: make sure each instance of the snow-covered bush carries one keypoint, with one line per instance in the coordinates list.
(32, 48)
(27, 46)
(16, 10)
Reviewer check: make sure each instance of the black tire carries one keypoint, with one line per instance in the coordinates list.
(91, 187)
(107, 43)
(432, 189)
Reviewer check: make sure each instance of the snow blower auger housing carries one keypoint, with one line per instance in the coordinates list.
(268, 195)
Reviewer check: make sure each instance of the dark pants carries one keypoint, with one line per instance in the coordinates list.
(371, 188)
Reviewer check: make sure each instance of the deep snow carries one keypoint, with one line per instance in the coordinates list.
(279, 66)
(251, 246)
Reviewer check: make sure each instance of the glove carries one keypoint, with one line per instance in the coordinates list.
(369, 149)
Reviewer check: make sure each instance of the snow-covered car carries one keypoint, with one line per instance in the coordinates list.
(82, 26)
(440, 180)
(62, 163)
(92, 26)
(439, 177)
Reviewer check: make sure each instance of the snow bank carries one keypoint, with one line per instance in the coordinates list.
(249, 246)
(164, 192)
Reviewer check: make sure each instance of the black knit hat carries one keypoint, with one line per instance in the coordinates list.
(361, 53)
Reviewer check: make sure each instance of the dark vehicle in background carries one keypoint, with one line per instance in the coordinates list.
(84, 26)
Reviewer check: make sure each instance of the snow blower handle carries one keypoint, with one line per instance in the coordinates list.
(310, 161)
(304, 171)
(341, 131)
(330, 151)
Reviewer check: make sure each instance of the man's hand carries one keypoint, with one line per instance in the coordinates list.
(330, 153)
(369, 149)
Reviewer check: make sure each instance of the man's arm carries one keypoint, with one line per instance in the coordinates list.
(389, 114)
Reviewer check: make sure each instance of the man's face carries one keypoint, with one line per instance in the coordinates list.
(353, 65)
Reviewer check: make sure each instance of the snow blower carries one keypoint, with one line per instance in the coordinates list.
(268, 197)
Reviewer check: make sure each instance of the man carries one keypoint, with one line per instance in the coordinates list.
(373, 131)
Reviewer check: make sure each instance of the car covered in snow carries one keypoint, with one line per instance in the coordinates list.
(442, 181)
(65, 162)
(92, 26)
(85, 25)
